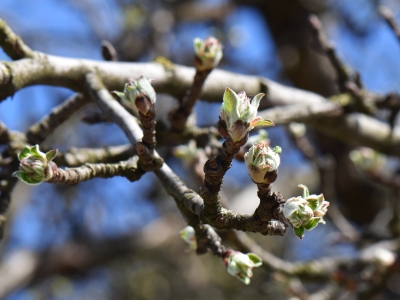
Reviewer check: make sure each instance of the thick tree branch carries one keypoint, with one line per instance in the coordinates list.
(67, 72)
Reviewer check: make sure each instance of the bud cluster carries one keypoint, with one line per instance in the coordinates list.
(138, 94)
(35, 165)
(208, 53)
(305, 212)
(262, 162)
(240, 265)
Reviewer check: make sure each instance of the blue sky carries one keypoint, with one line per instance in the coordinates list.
(61, 28)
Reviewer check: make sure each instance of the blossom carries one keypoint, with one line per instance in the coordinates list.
(138, 94)
(261, 160)
(34, 165)
(208, 53)
(305, 212)
(238, 113)
(240, 265)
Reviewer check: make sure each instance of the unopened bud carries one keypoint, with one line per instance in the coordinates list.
(261, 161)
(34, 165)
(305, 212)
(240, 265)
(138, 94)
(238, 113)
(208, 53)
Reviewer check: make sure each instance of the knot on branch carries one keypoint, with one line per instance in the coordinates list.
(269, 203)
(214, 174)
(273, 228)
(148, 162)
(133, 173)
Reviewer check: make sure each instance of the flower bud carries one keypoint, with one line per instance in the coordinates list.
(188, 153)
(305, 212)
(368, 160)
(240, 265)
(239, 114)
(208, 53)
(34, 165)
(138, 94)
(188, 234)
(260, 161)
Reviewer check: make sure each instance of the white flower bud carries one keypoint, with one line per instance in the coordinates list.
(240, 265)
(261, 160)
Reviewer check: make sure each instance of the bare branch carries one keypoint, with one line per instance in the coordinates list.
(12, 44)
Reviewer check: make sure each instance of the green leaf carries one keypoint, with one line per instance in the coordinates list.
(255, 259)
(277, 150)
(197, 44)
(24, 177)
(231, 104)
(262, 122)
(26, 152)
(305, 190)
(51, 154)
(256, 100)
(35, 152)
(299, 232)
(312, 224)
(312, 203)
(121, 95)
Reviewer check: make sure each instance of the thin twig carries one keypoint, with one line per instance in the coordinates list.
(329, 49)
(38, 132)
(128, 169)
(108, 51)
(388, 16)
